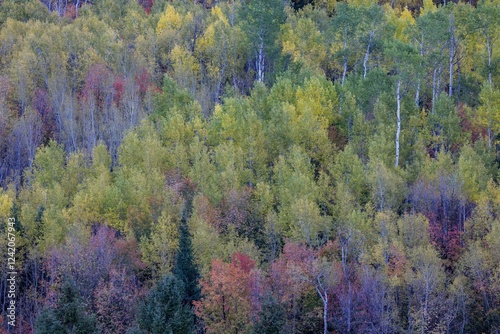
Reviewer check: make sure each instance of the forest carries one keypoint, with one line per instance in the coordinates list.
(249, 166)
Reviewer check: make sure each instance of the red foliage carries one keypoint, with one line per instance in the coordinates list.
(144, 80)
(397, 263)
(447, 241)
(43, 106)
(289, 275)
(441, 202)
(467, 124)
(90, 262)
(71, 11)
(243, 262)
(118, 87)
(209, 213)
(98, 86)
(235, 211)
(115, 298)
(147, 5)
(230, 294)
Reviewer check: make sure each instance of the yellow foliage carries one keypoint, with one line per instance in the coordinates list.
(401, 21)
(217, 12)
(303, 41)
(487, 114)
(362, 3)
(170, 20)
(207, 41)
(185, 65)
(404, 22)
(329, 5)
(429, 7)
(5, 205)
(159, 250)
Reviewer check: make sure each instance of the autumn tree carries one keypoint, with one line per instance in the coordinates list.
(229, 296)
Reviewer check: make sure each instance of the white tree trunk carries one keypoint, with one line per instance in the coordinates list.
(488, 45)
(323, 294)
(417, 94)
(260, 62)
(398, 131)
(344, 72)
(433, 90)
(367, 54)
(452, 54)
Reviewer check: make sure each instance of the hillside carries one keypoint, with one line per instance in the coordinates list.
(249, 166)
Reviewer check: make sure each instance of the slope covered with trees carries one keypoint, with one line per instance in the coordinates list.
(251, 166)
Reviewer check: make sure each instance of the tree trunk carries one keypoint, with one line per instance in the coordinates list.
(323, 294)
(260, 61)
(452, 54)
(398, 131)
(344, 72)
(367, 54)
(488, 45)
(417, 94)
(433, 90)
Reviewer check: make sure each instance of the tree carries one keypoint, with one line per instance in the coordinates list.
(404, 58)
(302, 38)
(300, 268)
(222, 49)
(69, 316)
(485, 21)
(487, 117)
(344, 29)
(115, 301)
(160, 248)
(260, 22)
(185, 268)
(388, 188)
(271, 319)
(445, 124)
(432, 36)
(163, 310)
(229, 296)
(425, 282)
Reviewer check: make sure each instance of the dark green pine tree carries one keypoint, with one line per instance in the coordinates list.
(163, 311)
(185, 268)
(271, 317)
(69, 316)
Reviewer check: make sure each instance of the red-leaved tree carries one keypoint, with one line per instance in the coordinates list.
(230, 296)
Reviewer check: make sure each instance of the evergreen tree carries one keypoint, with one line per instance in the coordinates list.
(271, 317)
(185, 268)
(69, 316)
(163, 311)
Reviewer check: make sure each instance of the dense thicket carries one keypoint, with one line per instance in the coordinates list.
(251, 166)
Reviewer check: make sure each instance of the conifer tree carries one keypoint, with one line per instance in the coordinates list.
(163, 311)
(69, 316)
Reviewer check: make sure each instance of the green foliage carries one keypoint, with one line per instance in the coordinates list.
(24, 11)
(163, 310)
(185, 268)
(198, 130)
(445, 124)
(69, 316)
(271, 317)
(49, 165)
